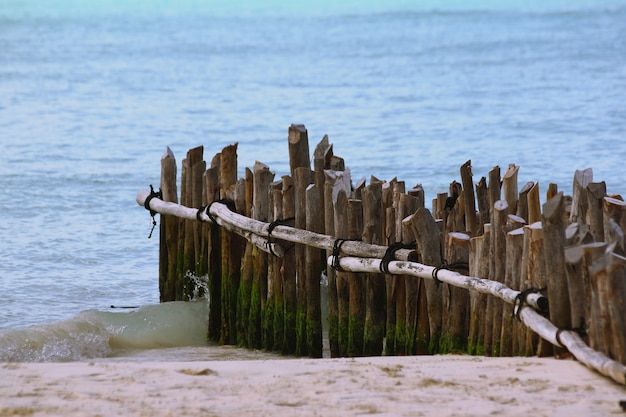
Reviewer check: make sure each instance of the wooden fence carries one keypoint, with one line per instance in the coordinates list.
(486, 271)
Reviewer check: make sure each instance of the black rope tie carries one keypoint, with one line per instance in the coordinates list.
(270, 229)
(146, 204)
(450, 267)
(522, 298)
(199, 213)
(390, 254)
(582, 332)
(229, 203)
(335, 254)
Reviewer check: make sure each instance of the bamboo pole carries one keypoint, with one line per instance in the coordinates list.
(554, 242)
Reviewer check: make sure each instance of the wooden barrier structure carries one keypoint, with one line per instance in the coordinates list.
(401, 279)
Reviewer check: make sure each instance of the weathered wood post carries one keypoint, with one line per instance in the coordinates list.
(471, 220)
(214, 256)
(479, 267)
(168, 246)
(288, 272)
(262, 178)
(231, 245)
(498, 254)
(278, 323)
(373, 220)
(342, 278)
(609, 274)
(554, 252)
(456, 332)
(356, 303)
(596, 191)
(302, 178)
(582, 178)
(247, 271)
(427, 234)
(313, 267)
(509, 343)
(408, 339)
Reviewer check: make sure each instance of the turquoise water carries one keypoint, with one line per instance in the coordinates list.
(91, 93)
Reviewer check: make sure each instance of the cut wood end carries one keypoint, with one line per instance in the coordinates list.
(168, 153)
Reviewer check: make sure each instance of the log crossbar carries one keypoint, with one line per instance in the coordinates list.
(357, 256)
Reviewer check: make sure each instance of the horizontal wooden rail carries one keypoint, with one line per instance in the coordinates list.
(533, 320)
(363, 257)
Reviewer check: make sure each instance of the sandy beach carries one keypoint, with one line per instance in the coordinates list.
(382, 386)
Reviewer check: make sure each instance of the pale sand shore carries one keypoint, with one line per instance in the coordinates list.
(382, 386)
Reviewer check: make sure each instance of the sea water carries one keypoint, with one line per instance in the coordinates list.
(91, 93)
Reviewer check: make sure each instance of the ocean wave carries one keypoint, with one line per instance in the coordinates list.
(98, 334)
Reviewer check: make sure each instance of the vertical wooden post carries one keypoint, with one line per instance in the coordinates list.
(278, 318)
(303, 177)
(596, 191)
(509, 187)
(522, 203)
(321, 161)
(412, 326)
(534, 204)
(289, 273)
(456, 331)
(479, 267)
(313, 269)
(356, 303)
(373, 221)
(262, 178)
(482, 197)
(332, 313)
(214, 256)
(427, 234)
(298, 148)
(247, 271)
(230, 248)
(342, 278)
(609, 273)
(509, 343)
(582, 178)
(471, 220)
(498, 254)
(169, 249)
(554, 241)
